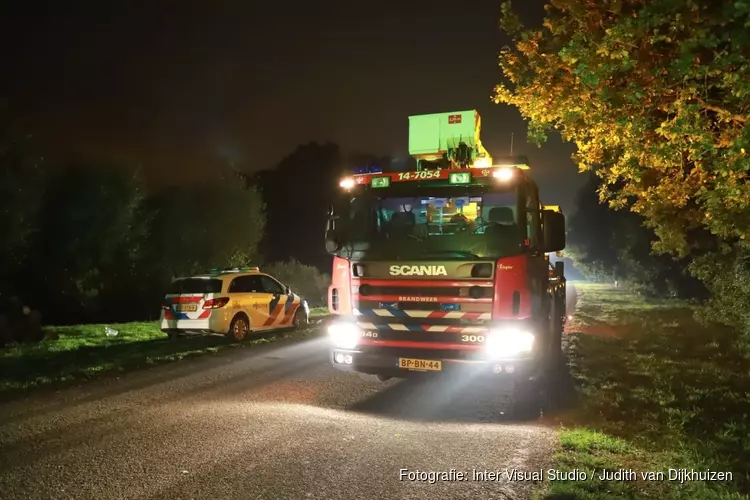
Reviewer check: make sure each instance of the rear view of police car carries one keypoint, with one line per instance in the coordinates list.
(196, 305)
(231, 302)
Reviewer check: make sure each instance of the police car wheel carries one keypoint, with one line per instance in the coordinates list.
(299, 319)
(239, 328)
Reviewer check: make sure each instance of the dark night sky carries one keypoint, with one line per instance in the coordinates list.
(176, 86)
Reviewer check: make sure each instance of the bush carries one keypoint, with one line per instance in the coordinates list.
(726, 275)
(306, 281)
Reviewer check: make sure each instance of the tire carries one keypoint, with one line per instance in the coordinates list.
(300, 319)
(239, 328)
(171, 334)
(526, 399)
(370, 377)
(557, 327)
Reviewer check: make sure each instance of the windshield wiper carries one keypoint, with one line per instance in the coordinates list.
(460, 253)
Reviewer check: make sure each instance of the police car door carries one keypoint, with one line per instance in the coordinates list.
(252, 300)
(279, 303)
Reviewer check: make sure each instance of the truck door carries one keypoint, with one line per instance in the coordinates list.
(538, 265)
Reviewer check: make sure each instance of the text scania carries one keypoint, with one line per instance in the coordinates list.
(418, 271)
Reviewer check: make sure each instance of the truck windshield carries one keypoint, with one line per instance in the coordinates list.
(450, 222)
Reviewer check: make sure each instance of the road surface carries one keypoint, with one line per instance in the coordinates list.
(273, 422)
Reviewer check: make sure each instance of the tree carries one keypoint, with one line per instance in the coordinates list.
(656, 96)
(91, 244)
(298, 194)
(22, 187)
(726, 275)
(656, 93)
(198, 228)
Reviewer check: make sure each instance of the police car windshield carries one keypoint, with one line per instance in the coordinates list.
(471, 220)
(195, 285)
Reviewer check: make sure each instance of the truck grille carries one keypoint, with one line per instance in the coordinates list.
(420, 309)
(476, 292)
(456, 315)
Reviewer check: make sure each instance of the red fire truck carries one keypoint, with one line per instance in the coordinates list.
(445, 267)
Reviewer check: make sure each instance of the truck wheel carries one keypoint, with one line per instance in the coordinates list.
(557, 339)
(370, 377)
(556, 325)
(526, 399)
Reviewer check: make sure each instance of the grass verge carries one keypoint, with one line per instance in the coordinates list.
(82, 352)
(658, 391)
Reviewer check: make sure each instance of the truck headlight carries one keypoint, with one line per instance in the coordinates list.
(508, 342)
(344, 335)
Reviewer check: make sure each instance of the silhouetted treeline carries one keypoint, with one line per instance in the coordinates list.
(297, 195)
(89, 244)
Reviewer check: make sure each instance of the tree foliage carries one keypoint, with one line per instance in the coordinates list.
(210, 225)
(92, 239)
(655, 94)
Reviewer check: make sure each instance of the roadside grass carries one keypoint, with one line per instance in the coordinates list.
(82, 352)
(658, 391)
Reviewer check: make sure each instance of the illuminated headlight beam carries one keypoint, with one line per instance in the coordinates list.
(344, 335)
(508, 342)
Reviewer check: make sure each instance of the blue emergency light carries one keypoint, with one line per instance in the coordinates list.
(368, 169)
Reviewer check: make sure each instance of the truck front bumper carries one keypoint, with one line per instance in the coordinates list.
(387, 361)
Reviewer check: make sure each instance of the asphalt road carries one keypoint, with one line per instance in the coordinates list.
(273, 422)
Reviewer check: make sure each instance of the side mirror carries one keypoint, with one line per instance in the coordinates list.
(553, 224)
(287, 290)
(332, 240)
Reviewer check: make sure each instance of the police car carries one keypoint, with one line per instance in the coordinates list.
(232, 302)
